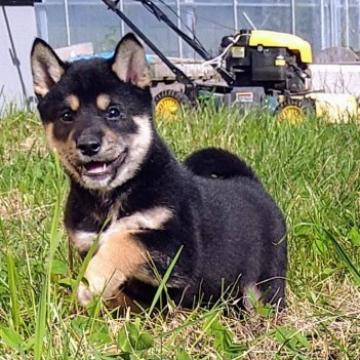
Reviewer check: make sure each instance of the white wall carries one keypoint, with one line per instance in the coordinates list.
(17, 32)
(338, 79)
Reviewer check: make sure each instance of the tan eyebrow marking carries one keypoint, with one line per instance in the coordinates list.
(73, 101)
(103, 101)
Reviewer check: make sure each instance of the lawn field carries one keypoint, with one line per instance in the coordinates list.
(312, 170)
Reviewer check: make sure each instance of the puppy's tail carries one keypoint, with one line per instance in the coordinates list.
(218, 163)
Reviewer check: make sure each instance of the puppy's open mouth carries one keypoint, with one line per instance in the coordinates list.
(99, 169)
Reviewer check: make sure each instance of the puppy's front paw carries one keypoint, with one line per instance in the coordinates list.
(84, 295)
(117, 259)
(103, 280)
(106, 288)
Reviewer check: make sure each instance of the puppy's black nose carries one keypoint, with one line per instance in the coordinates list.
(89, 145)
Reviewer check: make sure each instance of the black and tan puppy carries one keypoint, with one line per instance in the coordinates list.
(97, 115)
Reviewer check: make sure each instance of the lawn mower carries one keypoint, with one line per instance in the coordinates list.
(254, 68)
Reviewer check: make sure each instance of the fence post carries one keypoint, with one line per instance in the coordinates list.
(236, 20)
(293, 16)
(322, 23)
(122, 25)
(358, 24)
(67, 22)
(180, 43)
(347, 23)
(41, 21)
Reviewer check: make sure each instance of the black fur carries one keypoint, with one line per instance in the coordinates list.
(214, 162)
(230, 229)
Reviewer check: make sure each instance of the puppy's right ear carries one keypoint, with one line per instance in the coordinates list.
(129, 62)
(46, 67)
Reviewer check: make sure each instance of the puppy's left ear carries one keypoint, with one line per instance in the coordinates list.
(129, 62)
(47, 68)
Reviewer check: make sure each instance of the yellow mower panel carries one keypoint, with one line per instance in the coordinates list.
(278, 39)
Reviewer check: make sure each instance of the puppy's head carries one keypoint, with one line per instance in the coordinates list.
(96, 113)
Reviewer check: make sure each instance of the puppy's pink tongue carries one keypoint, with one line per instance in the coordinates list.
(96, 167)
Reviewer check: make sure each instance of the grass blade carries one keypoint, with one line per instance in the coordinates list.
(344, 258)
(41, 323)
(11, 338)
(13, 288)
(164, 281)
(40, 329)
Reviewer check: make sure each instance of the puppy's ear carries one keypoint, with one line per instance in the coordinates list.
(129, 62)
(46, 67)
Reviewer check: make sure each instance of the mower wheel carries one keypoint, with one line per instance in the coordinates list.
(295, 111)
(168, 103)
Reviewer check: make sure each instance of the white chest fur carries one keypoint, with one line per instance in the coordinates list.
(150, 219)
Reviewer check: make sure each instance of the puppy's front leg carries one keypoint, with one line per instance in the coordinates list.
(119, 257)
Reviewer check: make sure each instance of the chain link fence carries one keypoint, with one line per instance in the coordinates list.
(325, 23)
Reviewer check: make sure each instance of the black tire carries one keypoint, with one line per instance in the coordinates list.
(175, 98)
(305, 108)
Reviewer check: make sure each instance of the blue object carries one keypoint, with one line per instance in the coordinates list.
(107, 55)
(271, 102)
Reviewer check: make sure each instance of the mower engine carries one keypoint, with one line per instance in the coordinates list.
(278, 62)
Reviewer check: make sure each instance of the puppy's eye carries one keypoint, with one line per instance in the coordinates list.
(114, 113)
(67, 116)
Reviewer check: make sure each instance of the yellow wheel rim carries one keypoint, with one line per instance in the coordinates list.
(167, 108)
(291, 113)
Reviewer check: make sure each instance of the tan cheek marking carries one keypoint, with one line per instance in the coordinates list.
(73, 101)
(49, 131)
(61, 146)
(110, 138)
(65, 149)
(103, 101)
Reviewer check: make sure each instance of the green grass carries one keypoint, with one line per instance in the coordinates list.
(313, 171)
